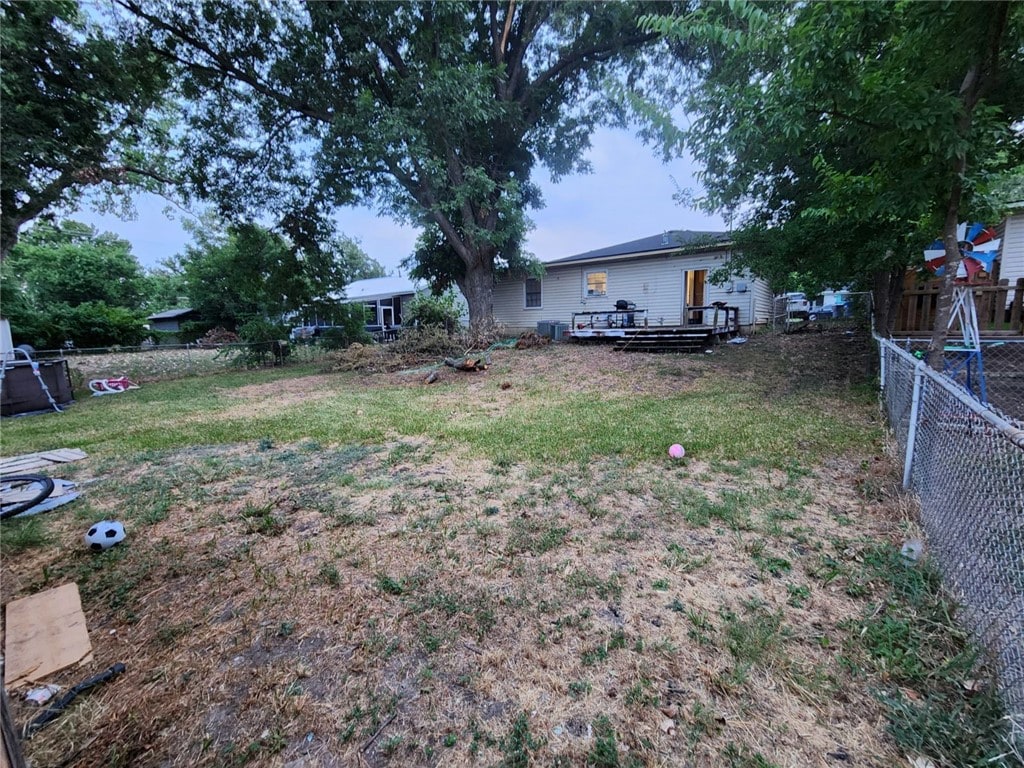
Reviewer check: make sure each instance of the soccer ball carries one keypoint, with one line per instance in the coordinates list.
(104, 535)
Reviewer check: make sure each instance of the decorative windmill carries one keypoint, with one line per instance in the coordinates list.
(979, 248)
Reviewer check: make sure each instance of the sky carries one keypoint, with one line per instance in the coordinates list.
(629, 195)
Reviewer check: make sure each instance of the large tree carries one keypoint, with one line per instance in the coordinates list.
(80, 110)
(68, 281)
(856, 130)
(436, 112)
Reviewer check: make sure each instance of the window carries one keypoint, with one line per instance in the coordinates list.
(533, 293)
(597, 284)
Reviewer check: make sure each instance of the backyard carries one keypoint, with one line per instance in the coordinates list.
(503, 568)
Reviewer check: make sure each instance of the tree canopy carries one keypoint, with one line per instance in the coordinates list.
(67, 281)
(846, 136)
(435, 112)
(81, 108)
(247, 272)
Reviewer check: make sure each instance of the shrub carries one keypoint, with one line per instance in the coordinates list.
(349, 328)
(95, 324)
(426, 311)
(263, 340)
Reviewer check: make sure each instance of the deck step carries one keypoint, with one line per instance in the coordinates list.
(662, 343)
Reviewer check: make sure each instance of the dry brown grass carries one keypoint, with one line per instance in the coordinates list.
(405, 603)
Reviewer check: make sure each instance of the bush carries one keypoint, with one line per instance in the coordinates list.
(263, 340)
(426, 311)
(259, 330)
(95, 324)
(350, 328)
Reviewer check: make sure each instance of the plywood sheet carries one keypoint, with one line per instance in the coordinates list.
(30, 462)
(46, 633)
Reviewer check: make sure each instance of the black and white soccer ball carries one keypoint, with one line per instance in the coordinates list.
(104, 535)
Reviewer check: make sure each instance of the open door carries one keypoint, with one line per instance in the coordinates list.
(694, 281)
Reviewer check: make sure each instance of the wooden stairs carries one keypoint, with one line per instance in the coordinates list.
(665, 339)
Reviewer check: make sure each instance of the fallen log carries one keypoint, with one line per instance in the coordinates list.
(468, 363)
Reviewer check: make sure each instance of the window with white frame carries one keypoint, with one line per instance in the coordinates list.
(596, 284)
(533, 293)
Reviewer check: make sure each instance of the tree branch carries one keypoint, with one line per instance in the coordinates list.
(224, 64)
(508, 26)
(574, 59)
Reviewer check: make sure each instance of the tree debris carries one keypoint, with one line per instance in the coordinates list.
(468, 363)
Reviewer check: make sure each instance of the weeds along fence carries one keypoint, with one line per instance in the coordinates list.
(965, 461)
(173, 361)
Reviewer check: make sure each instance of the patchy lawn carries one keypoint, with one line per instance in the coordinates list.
(501, 567)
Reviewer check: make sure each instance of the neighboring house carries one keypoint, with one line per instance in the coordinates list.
(383, 298)
(665, 274)
(171, 322)
(1011, 259)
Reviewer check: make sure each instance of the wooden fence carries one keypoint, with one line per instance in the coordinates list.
(998, 314)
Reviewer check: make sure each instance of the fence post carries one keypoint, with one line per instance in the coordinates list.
(881, 366)
(915, 408)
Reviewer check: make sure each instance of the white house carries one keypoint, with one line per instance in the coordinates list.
(383, 298)
(1011, 267)
(665, 274)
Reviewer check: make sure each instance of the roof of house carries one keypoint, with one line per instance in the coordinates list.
(666, 242)
(379, 288)
(171, 314)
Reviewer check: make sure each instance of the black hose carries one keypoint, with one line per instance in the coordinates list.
(46, 488)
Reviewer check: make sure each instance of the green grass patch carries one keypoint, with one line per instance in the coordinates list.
(17, 536)
(908, 637)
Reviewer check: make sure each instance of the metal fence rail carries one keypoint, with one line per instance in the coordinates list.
(966, 463)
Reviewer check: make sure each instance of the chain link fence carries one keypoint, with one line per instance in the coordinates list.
(791, 312)
(966, 463)
(996, 376)
(176, 361)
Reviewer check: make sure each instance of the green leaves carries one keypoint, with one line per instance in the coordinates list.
(82, 108)
(435, 112)
(849, 121)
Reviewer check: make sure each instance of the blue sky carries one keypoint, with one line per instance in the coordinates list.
(628, 196)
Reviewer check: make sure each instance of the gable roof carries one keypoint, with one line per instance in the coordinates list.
(171, 314)
(665, 243)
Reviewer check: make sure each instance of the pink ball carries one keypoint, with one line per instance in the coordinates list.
(676, 451)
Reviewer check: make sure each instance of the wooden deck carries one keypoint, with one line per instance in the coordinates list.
(694, 337)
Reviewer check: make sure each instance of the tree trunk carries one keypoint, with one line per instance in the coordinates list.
(478, 288)
(944, 304)
(975, 81)
(886, 294)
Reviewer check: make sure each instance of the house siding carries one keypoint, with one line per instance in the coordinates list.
(654, 283)
(761, 303)
(1012, 257)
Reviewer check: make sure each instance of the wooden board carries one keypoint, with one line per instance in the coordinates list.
(46, 633)
(30, 462)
